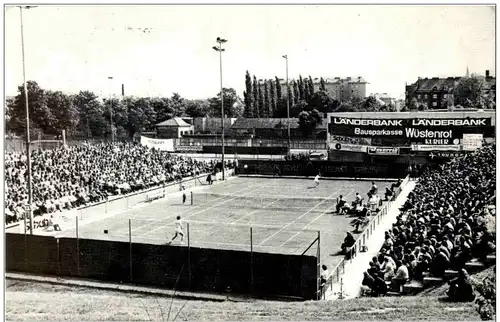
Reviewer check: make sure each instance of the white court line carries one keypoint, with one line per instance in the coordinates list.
(198, 212)
(321, 215)
(305, 227)
(296, 219)
(152, 221)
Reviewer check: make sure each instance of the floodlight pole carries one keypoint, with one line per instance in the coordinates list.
(28, 141)
(219, 48)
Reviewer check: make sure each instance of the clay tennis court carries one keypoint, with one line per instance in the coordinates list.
(285, 216)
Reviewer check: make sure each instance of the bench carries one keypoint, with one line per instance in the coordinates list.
(412, 287)
(432, 281)
(155, 195)
(474, 266)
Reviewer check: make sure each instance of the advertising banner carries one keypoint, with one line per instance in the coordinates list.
(188, 148)
(471, 142)
(383, 151)
(163, 145)
(415, 147)
(416, 130)
(348, 147)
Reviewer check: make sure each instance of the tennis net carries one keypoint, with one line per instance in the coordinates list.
(268, 201)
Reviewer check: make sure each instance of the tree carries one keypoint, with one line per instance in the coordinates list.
(256, 87)
(163, 108)
(267, 101)
(248, 96)
(299, 107)
(197, 108)
(119, 117)
(346, 107)
(370, 104)
(232, 104)
(310, 87)
(468, 91)
(64, 111)
(413, 104)
(41, 117)
(296, 92)
(322, 85)
(322, 102)
(90, 109)
(261, 103)
(177, 104)
(272, 94)
(278, 89)
(300, 94)
(291, 93)
(307, 93)
(308, 121)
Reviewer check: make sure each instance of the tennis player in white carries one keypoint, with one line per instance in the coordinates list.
(316, 180)
(178, 229)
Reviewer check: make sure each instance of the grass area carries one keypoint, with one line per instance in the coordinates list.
(39, 301)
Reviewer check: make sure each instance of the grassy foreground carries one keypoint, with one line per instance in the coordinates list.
(39, 301)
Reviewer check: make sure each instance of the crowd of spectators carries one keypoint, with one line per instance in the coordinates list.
(442, 225)
(69, 177)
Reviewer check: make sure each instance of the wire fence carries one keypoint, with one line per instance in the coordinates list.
(201, 234)
(335, 275)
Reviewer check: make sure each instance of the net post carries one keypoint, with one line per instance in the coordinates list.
(251, 261)
(191, 199)
(130, 247)
(77, 248)
(189, 253)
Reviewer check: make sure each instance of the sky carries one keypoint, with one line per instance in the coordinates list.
(162, 49)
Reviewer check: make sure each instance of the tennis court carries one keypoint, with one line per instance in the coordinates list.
(274, 215)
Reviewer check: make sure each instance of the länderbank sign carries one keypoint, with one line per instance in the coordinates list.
(428, 130)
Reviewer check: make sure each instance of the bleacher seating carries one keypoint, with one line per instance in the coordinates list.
(442, 227)
(69, 177)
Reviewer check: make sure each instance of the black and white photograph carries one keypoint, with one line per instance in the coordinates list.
(253, 161)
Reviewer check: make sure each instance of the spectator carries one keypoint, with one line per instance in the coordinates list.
(461, 289)
(324, 275)
(66, 178)
(442, 224)
(347, 244)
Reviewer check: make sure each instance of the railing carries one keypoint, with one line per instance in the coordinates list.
(360, 241)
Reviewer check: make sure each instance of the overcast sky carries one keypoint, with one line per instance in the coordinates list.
(72, 48)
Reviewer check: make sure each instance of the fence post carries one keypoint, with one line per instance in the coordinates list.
(189, 254)
(130, 247)
(77, 249)
(318, 274)
(251, 261)
(58, 258)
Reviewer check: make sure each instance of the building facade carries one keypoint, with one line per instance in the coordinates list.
(437, 93)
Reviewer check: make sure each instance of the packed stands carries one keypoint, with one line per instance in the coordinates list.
(69, 177)
(441, 227)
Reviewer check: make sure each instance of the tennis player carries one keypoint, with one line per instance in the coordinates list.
(316, 180)
(178, 229)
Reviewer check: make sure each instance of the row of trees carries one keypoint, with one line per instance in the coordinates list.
(268, 98)
(85, 114)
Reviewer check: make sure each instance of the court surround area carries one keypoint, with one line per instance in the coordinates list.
(272, 215)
